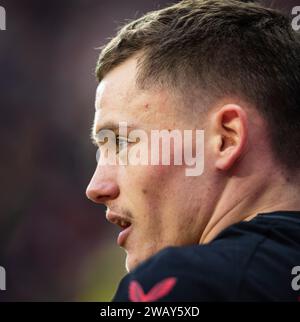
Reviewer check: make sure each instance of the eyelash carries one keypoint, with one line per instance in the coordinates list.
(118, 140)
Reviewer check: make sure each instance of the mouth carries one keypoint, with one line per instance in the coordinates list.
(123, 235)
(123, 222)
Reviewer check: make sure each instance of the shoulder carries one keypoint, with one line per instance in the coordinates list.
(189, 273)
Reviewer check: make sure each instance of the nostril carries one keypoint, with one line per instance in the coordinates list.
(101, 198)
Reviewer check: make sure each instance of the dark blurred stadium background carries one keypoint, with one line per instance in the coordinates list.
(54, 243)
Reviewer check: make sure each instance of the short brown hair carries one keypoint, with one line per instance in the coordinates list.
(223, 47)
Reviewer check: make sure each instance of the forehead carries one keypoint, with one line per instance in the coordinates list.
(118, 99)
(117, 86)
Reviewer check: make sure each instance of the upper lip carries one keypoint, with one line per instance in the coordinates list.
(117, 219)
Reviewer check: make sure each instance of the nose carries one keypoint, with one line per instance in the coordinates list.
(101, 191)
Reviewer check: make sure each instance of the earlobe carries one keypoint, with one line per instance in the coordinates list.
(227, 159)
(231, 127)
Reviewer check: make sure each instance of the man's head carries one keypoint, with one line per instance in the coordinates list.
(227, 67)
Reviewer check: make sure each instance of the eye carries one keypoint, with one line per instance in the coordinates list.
(121, 143)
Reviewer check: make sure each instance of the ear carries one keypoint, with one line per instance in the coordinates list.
(231, 132)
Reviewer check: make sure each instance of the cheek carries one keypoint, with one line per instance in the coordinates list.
(152, 183)
(150, 190)
(150, 176)
(141, 186)
(159, 187)
(147, 188)
(159, 181)
(155, 172)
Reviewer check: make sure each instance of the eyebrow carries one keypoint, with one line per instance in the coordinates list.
(110, 125)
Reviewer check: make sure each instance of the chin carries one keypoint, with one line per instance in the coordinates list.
(134, 260)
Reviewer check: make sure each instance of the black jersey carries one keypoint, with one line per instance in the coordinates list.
(258, 260)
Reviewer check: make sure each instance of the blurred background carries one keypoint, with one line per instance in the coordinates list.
(54, 243)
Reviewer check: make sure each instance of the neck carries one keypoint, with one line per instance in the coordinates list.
(243, 200)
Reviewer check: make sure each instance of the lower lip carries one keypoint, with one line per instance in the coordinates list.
(123, 236)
